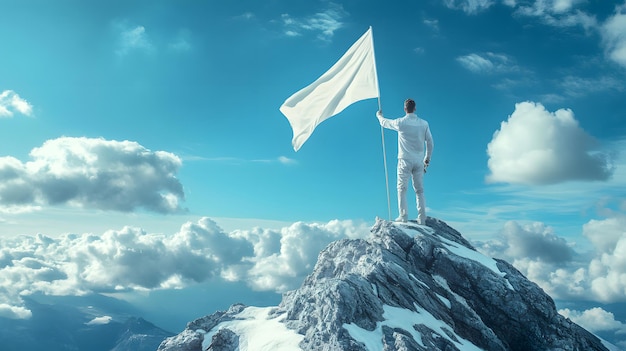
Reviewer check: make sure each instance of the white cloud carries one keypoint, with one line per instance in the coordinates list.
(607, 271)
(14, 312)
(433, 24)
(561, 6)
(469, 6)
(286, 160)
(100, 320)
(535, 241)
(537, 147)
(605, 234)
(131, 259)
(11, 102)
(238, 161)
(132, 38)
(93, 173)
(488, 63)
(579, 86)
(325, 22)
(475, 63)
(283, 259)
(544, 258)
(614, 36)
(246, 16)
(559, 13)
(594, 320)
(540, 255)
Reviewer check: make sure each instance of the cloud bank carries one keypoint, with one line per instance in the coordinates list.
(92, 173)
(278, 260)
(551, 262)
(131, 259)
(538, 147)
(594, 320)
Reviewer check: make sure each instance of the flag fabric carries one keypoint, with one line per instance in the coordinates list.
(353, 78)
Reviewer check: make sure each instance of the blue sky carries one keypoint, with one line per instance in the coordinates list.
(129, 124)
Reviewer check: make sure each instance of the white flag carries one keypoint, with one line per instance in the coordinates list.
(351, 79)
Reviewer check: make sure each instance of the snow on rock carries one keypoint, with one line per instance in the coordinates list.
(407, 287)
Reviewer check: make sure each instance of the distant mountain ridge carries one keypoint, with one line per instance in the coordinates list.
(65, 323)
(407, 288)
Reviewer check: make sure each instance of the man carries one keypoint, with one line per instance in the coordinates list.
(413, 158)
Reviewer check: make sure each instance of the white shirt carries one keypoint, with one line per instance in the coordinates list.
(413, 133)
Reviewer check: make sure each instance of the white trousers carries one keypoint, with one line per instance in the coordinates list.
(415, 170)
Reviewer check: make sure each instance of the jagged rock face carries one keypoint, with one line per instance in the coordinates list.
(407, 287)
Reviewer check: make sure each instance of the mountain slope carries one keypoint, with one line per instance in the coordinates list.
(93, 322)
(138, 334)
(407, 287)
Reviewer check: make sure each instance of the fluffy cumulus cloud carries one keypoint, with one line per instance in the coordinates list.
(541, 256)
(598, 321)
(607, 271)
(131, 259)
(11, 103)
(283, 258)
(93, 173)
(533, 241)
(598, 274)
(614, 36)
(594, 320)
(537, 147)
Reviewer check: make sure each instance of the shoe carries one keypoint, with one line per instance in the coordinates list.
(401, 219)
(421, 221)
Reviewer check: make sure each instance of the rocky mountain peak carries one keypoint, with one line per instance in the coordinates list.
(407, 287)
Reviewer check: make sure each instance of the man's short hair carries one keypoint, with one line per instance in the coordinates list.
(409, 104)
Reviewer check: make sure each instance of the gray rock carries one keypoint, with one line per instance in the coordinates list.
(456, 299)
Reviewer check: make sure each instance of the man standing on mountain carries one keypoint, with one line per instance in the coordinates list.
(415, 146)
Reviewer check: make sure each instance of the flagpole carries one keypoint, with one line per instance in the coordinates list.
(382, 131)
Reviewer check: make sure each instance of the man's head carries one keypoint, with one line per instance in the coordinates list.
(409, 105)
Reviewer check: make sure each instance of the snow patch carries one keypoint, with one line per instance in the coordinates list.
(258, 331)
(458, 249)
(441, 281)
(396, 317)
(445, 301)
(418, 281)
(476, 256)
(375, 289)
